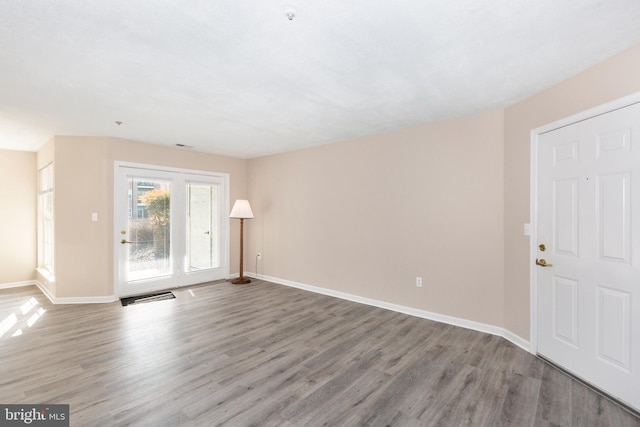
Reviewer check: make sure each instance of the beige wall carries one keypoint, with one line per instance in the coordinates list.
(335, 216)
(18, 188)
(84, 184)
(445, 201)
(610, 80)
(366, 217)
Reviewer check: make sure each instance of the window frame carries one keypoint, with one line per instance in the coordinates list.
(46, 221)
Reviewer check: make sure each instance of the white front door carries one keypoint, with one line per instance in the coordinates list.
(588, 234)
(170, 228)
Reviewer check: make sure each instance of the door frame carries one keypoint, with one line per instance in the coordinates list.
(117, 204)
(533, 214)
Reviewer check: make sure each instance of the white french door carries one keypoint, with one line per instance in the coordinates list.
(171, 228)
(588, 250)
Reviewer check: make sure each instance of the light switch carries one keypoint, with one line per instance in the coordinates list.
(94, 216)
(527, 229)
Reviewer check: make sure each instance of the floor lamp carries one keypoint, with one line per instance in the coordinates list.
(242, 210)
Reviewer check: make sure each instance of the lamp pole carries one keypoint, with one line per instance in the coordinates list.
(241, 210)
(241, 280)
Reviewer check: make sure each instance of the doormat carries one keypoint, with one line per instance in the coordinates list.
(146, 298)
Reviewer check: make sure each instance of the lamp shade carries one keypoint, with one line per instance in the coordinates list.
(241, 209)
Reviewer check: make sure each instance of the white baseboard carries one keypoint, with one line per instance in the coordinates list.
(74, 300)
(517, 340)
(442, 318)
(17, 284)
(86, 300)
(45, 291)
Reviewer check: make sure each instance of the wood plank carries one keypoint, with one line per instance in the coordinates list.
(269, 355)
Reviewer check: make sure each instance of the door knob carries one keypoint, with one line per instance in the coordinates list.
(542, 247)
(542, 262)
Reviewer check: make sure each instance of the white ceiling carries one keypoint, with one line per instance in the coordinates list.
(238, 78)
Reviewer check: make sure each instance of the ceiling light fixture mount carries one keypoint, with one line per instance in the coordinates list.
(118, 122)
(291, 14)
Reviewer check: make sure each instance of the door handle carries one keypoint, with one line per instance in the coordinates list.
(123, 241)
(542, 262)
(207, 232)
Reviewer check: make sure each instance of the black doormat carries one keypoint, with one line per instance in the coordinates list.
(146, 298)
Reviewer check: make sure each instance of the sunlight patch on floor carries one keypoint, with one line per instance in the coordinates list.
(15, 319)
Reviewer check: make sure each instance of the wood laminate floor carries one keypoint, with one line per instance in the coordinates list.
(267, 355)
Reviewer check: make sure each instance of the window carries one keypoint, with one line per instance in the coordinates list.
(45, 199)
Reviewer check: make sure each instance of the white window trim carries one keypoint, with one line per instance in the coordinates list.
(45, 187)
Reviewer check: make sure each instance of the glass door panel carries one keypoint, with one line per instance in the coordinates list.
(202, 227)
(148, 237)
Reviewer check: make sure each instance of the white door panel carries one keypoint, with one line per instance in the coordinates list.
(588, 218)
(614, 328)
(565, 310)
(614, 209)
(565, 226)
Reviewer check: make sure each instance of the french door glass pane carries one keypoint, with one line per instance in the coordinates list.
(149, 228)
(202, 232)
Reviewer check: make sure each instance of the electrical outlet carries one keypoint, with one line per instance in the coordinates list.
(259, 255)
(419, 282)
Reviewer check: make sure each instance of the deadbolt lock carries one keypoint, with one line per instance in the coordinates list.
(542, 247)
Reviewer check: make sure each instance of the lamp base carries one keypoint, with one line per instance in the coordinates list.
(241, 281)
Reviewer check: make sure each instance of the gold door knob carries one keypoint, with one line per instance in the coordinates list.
(542, 262)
